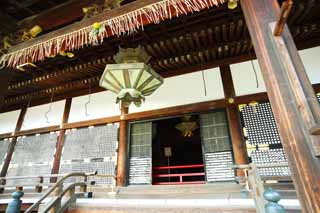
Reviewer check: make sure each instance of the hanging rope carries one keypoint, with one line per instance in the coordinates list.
(204, 81)
(254, 70)
(88, 102)
(49, 110)
(255, 74)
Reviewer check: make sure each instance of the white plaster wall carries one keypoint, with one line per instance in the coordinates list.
(244, 79)
(35, 116)
(184, 89)
(102, 104)
(8, 121)
(311, 61)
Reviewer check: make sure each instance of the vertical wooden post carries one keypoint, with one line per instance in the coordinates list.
(12, 144)
(291, 96)
(60, 141)
(4, 83)
(122, 149)
(237, 138)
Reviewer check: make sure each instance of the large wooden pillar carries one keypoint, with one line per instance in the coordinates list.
(236, 134)
(291, 96)
(12, 144)
(60, 141)
(122, 149)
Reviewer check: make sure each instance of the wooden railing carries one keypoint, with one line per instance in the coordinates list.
(254, 183)
(177, 178)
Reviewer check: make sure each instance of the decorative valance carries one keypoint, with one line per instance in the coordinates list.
(124, 20)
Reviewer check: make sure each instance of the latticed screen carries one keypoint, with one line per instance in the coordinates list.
(33, 156)
(4, 144)
(217, 147)
(90, 150)
(140, 163)
(263, 140)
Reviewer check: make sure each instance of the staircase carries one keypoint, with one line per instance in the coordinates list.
(217, 197)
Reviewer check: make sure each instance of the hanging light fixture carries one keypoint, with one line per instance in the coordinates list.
(131, 78)
(187, 126)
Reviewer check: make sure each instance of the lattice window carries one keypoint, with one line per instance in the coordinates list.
(33, 155)
(217, 147)
(263, 140)
(89, 150)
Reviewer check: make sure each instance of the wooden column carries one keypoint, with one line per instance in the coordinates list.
(122, 149)
(12, 144)
(237, 138)
(291, 96)
(4, 83)
(60, 141)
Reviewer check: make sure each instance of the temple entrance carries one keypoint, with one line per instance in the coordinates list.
(181, 150)
(177, 151)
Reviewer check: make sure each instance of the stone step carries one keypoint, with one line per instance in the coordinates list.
(168, 205)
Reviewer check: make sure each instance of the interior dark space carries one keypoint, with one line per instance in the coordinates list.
(183, 154)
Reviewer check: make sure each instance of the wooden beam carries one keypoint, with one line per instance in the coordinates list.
(60, 15)
(236, 134)
(122, 149)
(291, 96)
(284, 14)
(12, 144)
(60, 141)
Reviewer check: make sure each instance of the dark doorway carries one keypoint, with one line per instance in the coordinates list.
(176, 152)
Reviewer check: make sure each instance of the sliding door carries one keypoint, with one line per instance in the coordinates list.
(216, 147)
(140, 153)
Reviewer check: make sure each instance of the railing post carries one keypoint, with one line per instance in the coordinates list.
(2, 187)
(39, 187)
(257, 188)
(56, 193)
(83, 188)
(14, 206)
(273, 197)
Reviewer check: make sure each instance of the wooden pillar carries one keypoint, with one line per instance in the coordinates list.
(291, 96)
(122, 149)
(237, 138)
(12, 144)
(4, 83)
(60, 141)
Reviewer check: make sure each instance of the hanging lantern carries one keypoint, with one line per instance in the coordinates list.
(187, 127)
(131, 78)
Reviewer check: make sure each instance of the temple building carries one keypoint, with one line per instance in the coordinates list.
(160, 106)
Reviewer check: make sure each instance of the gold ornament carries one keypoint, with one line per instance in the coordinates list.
(232, 4)
(96, 26)
(34, 31)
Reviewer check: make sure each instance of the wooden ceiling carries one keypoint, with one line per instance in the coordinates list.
(186, 44)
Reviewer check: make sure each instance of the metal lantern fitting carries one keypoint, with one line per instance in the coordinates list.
(131, 78)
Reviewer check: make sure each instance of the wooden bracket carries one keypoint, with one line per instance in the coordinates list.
(284, 14)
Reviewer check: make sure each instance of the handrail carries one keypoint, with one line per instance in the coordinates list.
(32, 177)
(60, 195)
(56, 185)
